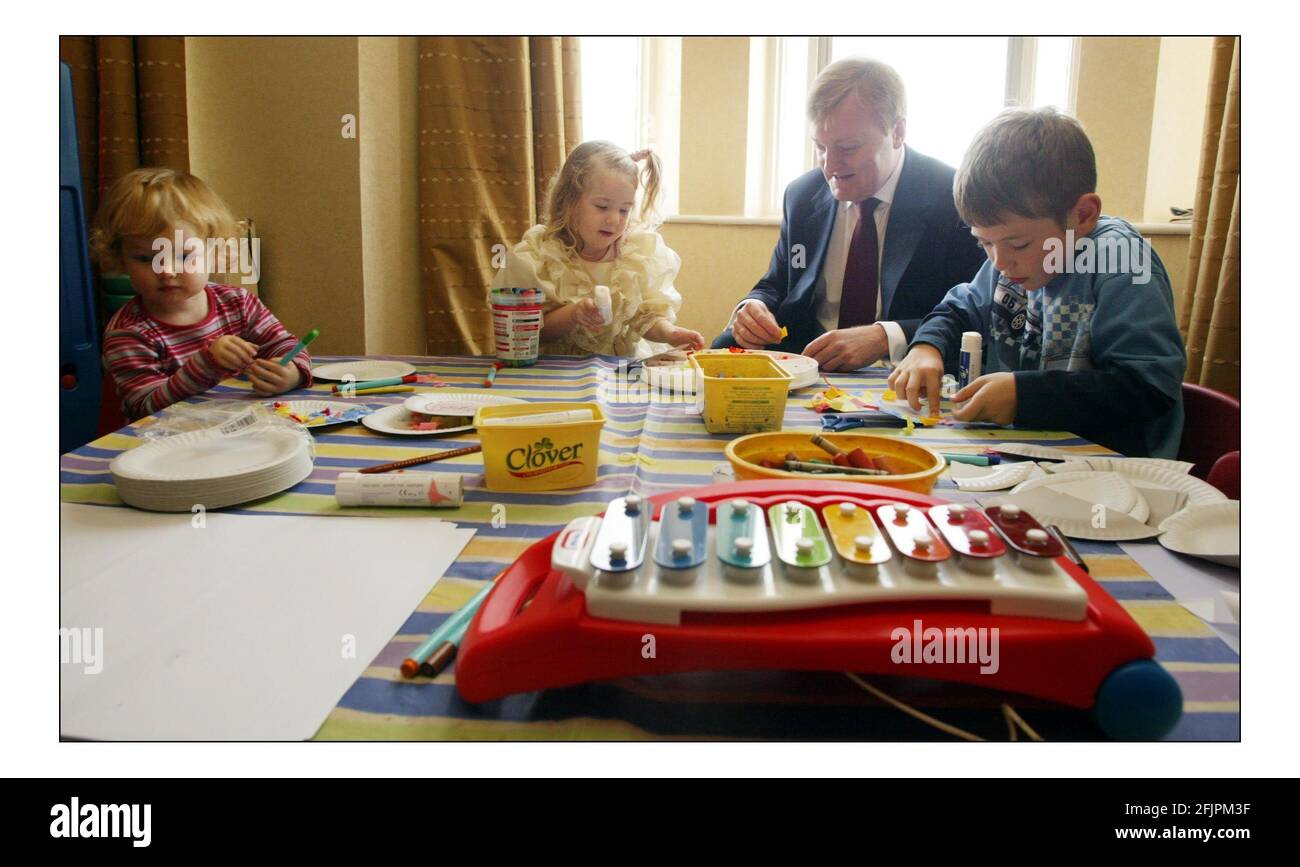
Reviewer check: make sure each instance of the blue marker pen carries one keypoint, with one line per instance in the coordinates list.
(971, 359)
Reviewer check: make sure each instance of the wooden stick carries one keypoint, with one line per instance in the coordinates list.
(422, 459)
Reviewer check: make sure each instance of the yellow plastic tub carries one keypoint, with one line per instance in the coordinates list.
(924, 466)
(544, 457)
(740, 393)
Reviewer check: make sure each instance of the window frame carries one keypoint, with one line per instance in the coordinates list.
(763, 190)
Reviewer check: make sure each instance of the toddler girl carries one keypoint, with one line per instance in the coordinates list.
(180, 335)
(589, 239)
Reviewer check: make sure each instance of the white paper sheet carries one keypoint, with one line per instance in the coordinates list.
(250, 628)
(1202, 587)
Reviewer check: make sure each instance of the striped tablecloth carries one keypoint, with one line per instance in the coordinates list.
(651, 448)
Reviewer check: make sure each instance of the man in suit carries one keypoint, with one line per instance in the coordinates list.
(870, 240)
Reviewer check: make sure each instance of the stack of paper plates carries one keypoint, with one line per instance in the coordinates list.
(205, 468)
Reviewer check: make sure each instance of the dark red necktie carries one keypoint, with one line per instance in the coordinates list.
(862, 270)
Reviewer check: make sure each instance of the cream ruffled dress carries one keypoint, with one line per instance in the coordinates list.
(640, 285)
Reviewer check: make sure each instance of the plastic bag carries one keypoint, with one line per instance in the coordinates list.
(223, 418)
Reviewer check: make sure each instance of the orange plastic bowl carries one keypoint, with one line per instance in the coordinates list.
(745, 452)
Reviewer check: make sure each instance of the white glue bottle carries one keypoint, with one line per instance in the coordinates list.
(971, 359)
(605, 304)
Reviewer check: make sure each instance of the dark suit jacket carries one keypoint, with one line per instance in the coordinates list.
(927, 251)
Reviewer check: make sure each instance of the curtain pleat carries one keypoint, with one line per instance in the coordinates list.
(1210, 312)
(497, 117)
(130, 102)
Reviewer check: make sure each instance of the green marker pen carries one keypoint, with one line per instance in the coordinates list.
(302, 344)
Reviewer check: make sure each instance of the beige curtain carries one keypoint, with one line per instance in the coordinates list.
(1210, 312)
(498, 116)
(130, 101)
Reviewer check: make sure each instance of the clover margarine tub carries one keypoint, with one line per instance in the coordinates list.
(546, 456)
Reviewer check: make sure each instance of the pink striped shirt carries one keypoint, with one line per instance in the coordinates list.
(154, 364)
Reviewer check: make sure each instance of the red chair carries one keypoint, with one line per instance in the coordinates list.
(110, 408)
(1211, 427)
(1226, 475)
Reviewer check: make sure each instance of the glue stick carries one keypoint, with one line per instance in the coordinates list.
(400, 489)
(605, 304)
(971, 359)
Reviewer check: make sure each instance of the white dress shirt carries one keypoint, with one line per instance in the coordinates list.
(826, 296)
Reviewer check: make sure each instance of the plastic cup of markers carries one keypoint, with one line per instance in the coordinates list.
(517, 325)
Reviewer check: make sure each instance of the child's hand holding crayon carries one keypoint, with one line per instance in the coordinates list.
(232, 353)
(920, 373)
(268, 376)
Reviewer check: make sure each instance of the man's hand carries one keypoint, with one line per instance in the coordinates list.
(232, 353)
(849, 348)
(992, 397)
(920, 373)
(755, 326)
(268, 376)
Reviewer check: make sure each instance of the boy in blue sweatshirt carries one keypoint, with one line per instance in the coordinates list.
(1074, 308)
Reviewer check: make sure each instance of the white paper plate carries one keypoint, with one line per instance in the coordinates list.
(1199, 493)
(305, 408)
(204, 468)
(680, 375)
(997, 478)
(1111, 490)
(1120, 465)
(204, 454)
(185, 500)
(1075, 517)
(443, 402)
(396, 419)
(1211, 532)
(364, 371)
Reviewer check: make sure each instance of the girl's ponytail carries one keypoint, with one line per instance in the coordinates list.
(651, 176)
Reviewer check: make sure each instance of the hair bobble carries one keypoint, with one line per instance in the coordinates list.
(637, 156)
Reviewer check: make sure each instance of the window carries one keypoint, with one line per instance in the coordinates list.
(954, 86)
(611, 85)
(631, 96)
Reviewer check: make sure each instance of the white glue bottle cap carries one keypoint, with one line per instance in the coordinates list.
(605, 304)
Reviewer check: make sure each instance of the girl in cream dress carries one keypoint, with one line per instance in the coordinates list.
(589, 239)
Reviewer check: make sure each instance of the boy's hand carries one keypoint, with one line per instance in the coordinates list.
(755, 326)
(920, 373)
(587, 314)
(232, 353)
(268, 376)
(992, 397)
(679, 336)
(849, 348)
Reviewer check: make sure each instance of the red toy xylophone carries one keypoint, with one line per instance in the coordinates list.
(814, 576)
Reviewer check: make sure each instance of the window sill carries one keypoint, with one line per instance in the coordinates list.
(1146, 229)
(1149, 229)
(710, 220)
